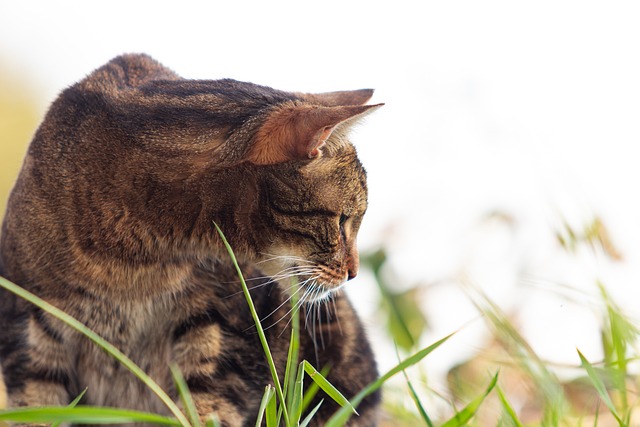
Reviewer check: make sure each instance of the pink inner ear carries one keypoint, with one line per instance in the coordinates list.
(319, 140)
(296, 132)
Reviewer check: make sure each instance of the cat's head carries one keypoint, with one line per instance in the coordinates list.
(312, 192)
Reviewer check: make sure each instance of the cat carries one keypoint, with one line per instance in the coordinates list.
(112, 220)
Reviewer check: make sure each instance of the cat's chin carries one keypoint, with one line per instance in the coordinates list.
(323, 296)
(310, 282)
(320, 294)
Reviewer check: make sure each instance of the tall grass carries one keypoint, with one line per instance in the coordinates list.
(610, 384)
(280, 404)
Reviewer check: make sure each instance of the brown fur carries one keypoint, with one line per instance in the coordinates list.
(111, 220)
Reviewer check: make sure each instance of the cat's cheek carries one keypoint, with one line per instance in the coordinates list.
(278, 258)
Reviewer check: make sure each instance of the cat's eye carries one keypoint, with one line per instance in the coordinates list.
(341, 221)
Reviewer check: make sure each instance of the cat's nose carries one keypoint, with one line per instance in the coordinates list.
(353, 261)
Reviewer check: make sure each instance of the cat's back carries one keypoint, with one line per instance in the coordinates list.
(39, 214)
(139, 79)
(131, 117)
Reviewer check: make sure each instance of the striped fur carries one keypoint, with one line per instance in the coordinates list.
(111, 220)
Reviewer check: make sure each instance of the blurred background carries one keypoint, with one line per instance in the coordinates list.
(504, 164)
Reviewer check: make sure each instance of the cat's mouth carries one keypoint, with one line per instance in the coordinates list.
(319, 285)
(305, 281)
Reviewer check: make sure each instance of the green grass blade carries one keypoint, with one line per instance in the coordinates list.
(617, 338)
(296, 401)
(294, 347)
(415, 398)
(269, 392)
(508, 408)
(213, 421)
(547, 385)
(309, 417)
(256, 319)
(327, 387)
(73, 404)
(598, 384)
(342, 415)
(99, 341)
(272, 413)
(83, 415)
(185, 395)
(290, 373)
(465, 414)
(77, 400)
(312, 390)
(398, 308)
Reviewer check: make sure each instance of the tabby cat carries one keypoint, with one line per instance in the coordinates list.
(112, 220)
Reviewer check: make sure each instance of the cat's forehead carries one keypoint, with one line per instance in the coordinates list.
(340, 173)
(342, 160)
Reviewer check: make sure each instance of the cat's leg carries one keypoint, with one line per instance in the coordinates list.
(199, 355)
(36, 363)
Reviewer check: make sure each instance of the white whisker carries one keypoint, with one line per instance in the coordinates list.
(295, 313)
(319, 315)
(292, 309)
(335, 310)
(281, 304)
(277, 321)
(280, 276)
(328, 311)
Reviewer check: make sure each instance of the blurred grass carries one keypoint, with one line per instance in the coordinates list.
(271, 409)
(529, 391)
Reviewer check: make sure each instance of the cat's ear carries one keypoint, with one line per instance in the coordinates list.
(334, 99)
(298, 131)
